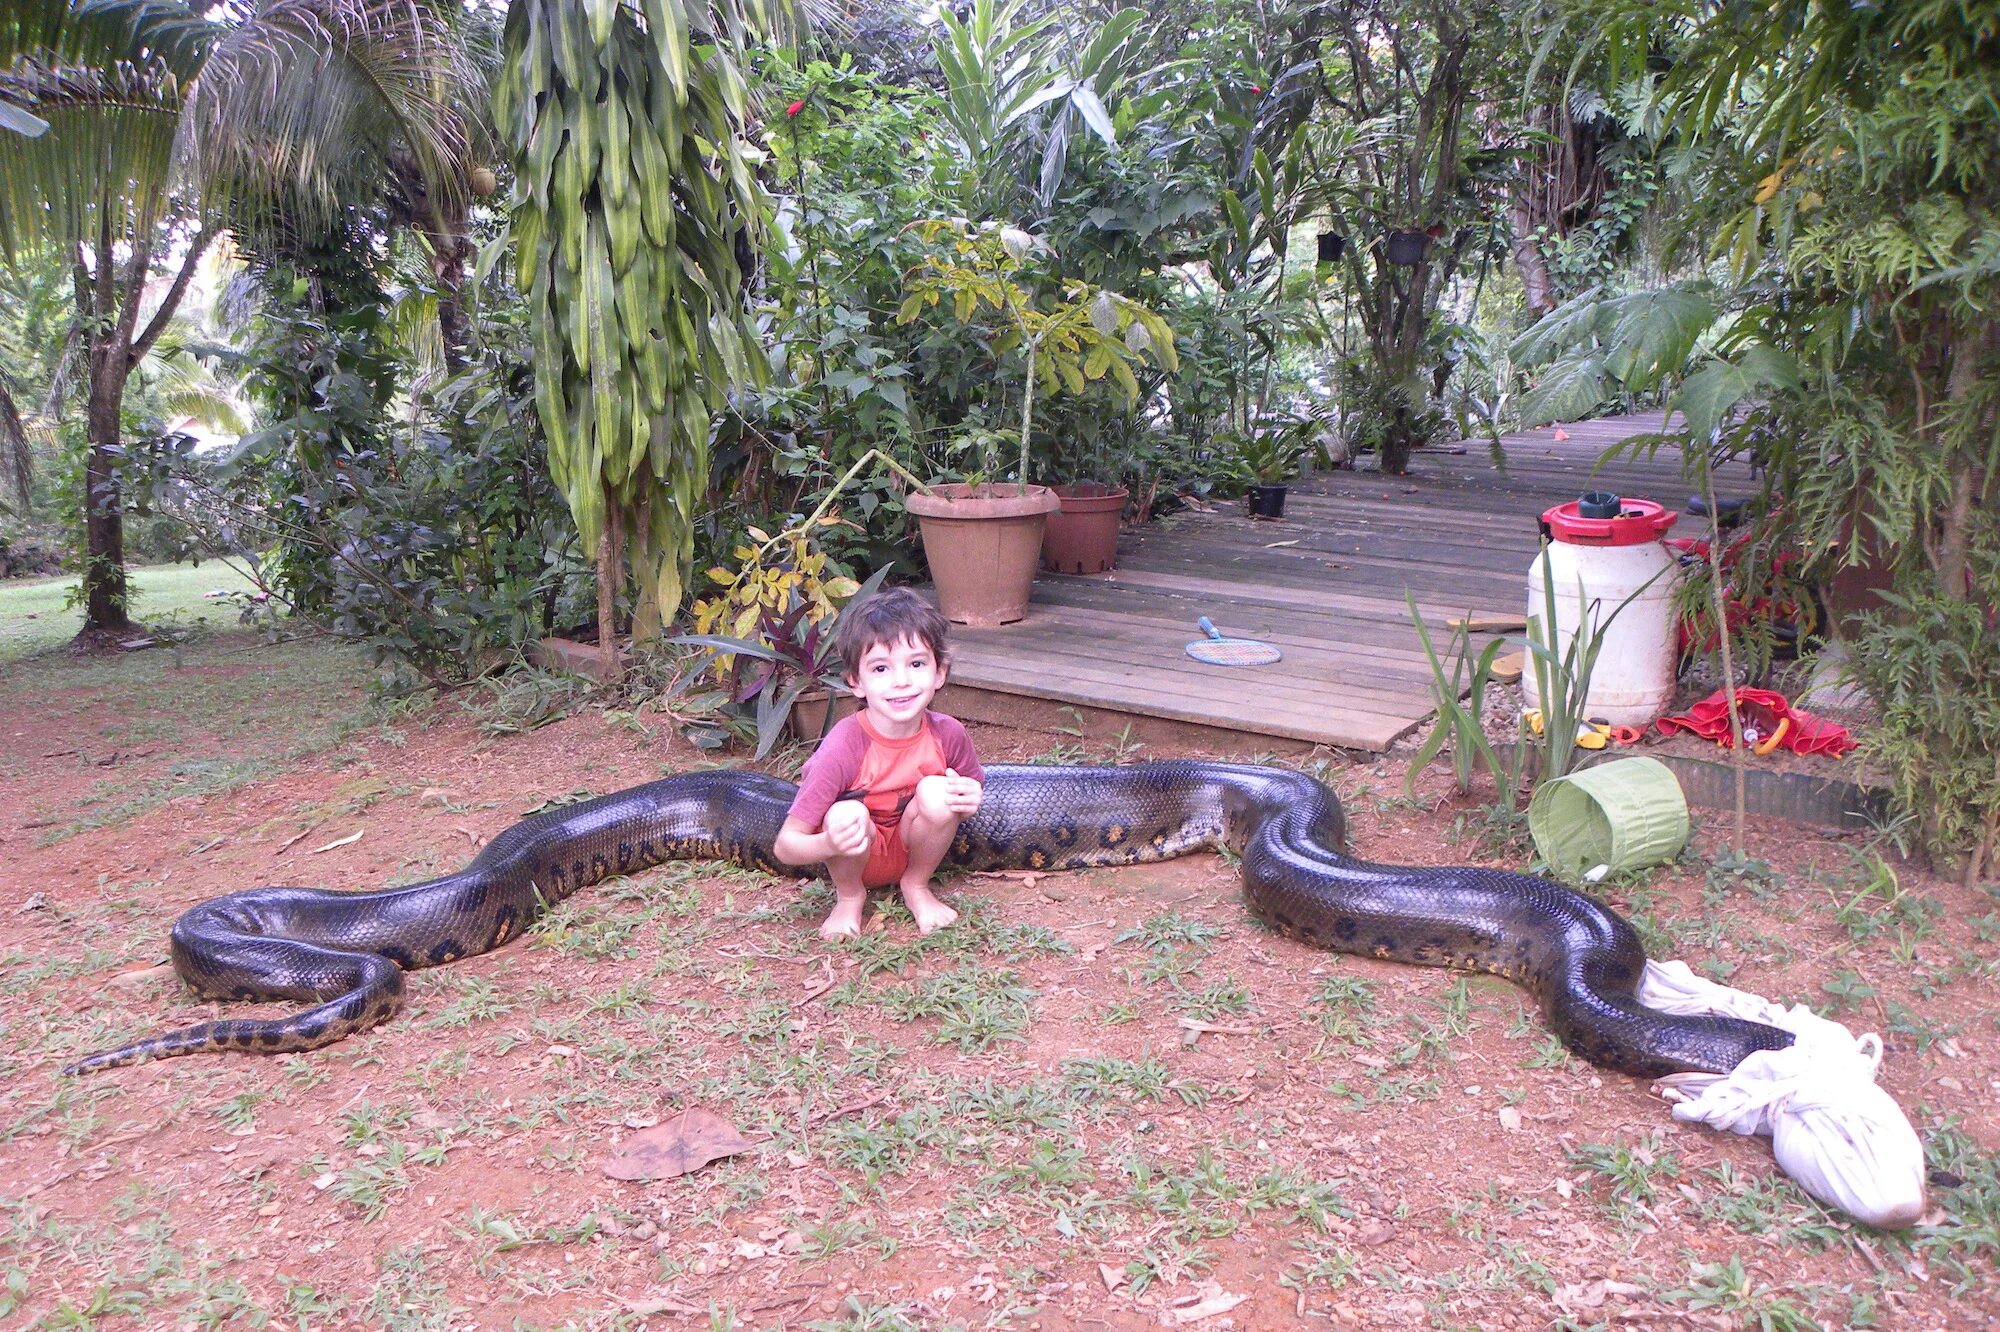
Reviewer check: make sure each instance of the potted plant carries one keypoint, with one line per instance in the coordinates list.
(982, 537)
(1082, 536)
(1266, 460)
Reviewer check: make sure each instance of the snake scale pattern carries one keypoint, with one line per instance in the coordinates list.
(345, 953)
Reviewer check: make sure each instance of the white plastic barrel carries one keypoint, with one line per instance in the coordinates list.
(1596, 563)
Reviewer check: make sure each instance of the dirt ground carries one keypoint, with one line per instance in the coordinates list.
(1106, 1099)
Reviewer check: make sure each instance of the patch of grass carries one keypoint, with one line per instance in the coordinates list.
(33, 619)
(237, 713)
(1729, 1293)
(410, 1295)
(1729, 872)
(1220, 1000)
(1169, 930)
(858, 1315)
(190, 777)
(1126, 1080)
(975, 1005)
(1636, 1171)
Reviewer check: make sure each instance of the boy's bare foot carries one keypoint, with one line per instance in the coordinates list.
(844, 921)
(929, 913)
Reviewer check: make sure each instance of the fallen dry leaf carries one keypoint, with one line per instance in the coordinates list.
(680, 1146)
(1376, 1232)
(348, 840)
(1112, 1277)
(1510, 1118)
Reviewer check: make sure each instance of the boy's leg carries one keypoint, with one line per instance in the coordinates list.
(850, 896)
(928, 827)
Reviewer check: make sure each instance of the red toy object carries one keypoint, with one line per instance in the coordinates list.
(1770, 714)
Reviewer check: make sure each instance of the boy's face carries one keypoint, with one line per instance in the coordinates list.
(896, 683)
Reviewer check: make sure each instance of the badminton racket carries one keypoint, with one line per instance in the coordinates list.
(1219, 651)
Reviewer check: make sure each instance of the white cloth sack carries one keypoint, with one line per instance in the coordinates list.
(1839, 1135)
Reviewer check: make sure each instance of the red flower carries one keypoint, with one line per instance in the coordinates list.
(795, 108)
(1257, 88)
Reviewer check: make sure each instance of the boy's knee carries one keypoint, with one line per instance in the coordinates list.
(929, 802)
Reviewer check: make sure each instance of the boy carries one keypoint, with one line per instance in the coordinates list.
(882, 797)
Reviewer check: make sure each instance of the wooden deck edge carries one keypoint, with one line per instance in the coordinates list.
(999, 704)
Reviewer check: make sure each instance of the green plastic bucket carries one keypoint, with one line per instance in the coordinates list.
(1625, 814)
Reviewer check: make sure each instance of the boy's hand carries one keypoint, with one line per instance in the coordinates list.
(961, 794)
(849, 830)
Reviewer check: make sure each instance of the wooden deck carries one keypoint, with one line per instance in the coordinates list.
(1325, 583)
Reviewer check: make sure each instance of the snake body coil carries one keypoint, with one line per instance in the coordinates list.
(346, 952)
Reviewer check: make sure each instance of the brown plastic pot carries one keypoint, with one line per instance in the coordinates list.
(1082, 536)
(981, 543)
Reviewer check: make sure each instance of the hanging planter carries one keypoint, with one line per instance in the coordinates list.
(1331, 246)
(1406, 247)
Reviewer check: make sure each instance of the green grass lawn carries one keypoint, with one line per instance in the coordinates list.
(32, 618)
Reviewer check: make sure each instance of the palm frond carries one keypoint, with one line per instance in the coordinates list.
(17, 461)
(109, 146)
(289, 95)
(98, 32)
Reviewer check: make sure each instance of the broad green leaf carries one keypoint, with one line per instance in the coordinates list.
(1573, 387)
(1091, 108)
(1654, 333)
(1712, 393)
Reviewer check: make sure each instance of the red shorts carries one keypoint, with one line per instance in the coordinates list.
(887, 857)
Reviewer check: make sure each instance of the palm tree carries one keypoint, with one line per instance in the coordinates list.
(167, 125)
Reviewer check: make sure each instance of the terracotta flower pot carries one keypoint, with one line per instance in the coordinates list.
(1082, 536)
(981, 543)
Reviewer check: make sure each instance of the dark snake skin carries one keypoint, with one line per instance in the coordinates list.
(346, 952)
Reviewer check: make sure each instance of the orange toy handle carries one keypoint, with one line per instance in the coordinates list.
(1770, 743)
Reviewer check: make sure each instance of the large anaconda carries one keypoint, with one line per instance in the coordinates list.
(346, 952)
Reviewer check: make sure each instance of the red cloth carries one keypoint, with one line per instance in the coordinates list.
(1763, 709)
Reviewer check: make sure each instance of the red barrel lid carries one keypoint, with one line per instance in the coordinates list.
(1638, 522)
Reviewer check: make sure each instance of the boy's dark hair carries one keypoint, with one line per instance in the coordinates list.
(889, 616)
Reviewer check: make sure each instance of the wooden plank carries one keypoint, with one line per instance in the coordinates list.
(1374, 622)
(1298, 680)
(1384, 607)
(1344, 729)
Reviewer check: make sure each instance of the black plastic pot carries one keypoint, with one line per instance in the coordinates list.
(1267, 501)
(1406, 247)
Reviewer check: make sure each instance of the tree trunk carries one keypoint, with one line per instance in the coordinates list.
(1537, 287)
(610, 558)
(1955, 528)
(104, 591)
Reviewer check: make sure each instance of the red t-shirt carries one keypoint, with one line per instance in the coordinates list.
(856, 762)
